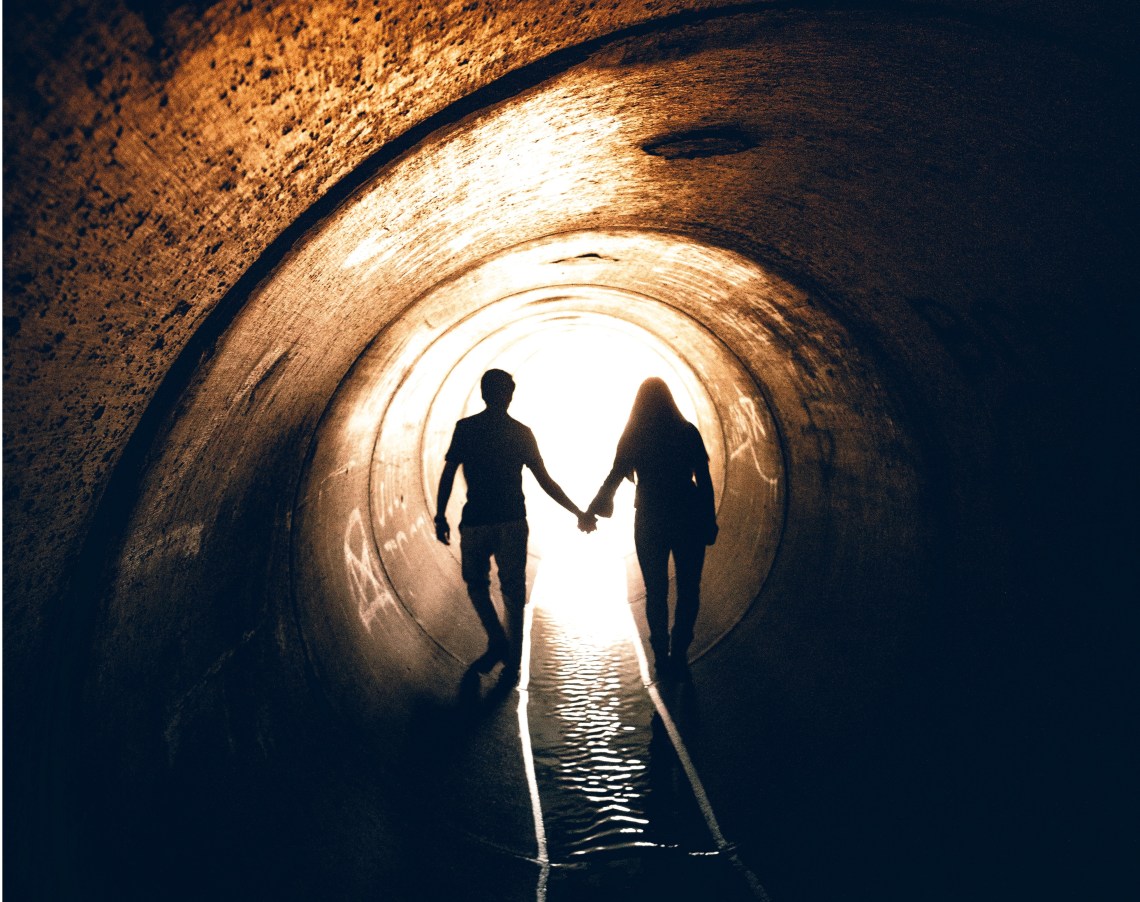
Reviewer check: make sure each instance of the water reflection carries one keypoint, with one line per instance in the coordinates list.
(618, 812)
(609, 778)
(590, 731)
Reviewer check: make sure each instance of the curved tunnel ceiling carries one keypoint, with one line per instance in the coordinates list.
(853, 253)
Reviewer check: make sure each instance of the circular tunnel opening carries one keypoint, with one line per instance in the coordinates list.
(577, 370)
(380, 598)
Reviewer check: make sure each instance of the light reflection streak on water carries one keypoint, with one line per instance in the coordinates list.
(592, 721)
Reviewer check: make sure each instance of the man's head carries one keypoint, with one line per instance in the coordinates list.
(498, 388)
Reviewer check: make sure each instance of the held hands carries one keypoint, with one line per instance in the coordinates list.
(442, 529)
(599, 507)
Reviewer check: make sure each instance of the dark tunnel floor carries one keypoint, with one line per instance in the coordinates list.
(579, 756)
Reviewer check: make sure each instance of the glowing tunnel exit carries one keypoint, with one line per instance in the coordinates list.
(576, 380)
(577, 369)
(576, 375)
(580, 320)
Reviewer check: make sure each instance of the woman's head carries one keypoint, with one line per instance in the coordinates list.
(654, 405)
(653, 420)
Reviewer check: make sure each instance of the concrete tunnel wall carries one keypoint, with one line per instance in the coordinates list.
(919, 216)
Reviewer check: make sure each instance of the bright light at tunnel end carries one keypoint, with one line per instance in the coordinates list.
(581, 584)
(576, 376)
(575, 386)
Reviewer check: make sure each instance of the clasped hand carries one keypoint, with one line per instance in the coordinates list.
(587, 522)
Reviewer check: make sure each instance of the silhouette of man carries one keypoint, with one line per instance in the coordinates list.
(493, 448)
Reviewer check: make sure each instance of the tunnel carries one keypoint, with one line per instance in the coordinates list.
(256, 258)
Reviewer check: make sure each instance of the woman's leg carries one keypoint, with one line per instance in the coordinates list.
(651, 542)
(689, 561)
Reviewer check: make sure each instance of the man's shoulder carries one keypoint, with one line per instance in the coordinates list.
(517, 435)
(520, 426)
(464, 427)
(481, 421)
(497, 425)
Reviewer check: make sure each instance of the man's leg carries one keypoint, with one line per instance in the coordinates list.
(510, 556)
(652, 546)
(475, 546)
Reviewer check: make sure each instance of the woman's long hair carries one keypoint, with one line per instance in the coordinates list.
(653, 419)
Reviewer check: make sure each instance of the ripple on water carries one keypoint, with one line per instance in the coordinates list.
(608, 784)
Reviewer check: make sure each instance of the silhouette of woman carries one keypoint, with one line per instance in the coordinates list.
(674, 514)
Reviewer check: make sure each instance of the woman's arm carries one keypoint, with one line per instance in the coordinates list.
(603, 503)
(706, 502)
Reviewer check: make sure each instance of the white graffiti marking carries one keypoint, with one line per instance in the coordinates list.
(389, 504)
(402, 539)
(748, 426)
(368, 585)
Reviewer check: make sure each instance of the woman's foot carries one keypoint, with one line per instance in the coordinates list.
(510, 675)
(496, 651)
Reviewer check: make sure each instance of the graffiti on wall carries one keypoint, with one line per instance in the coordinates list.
(365, 577)
(389, 504)
(401, 539)
(750, 434)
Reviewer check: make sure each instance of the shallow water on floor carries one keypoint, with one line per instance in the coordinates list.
(608, 776)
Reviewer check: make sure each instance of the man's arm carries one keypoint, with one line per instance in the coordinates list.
(446, 481)
(554, 490)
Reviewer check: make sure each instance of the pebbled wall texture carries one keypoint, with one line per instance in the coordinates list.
(954, 183)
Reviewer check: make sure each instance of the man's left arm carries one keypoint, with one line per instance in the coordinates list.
(533, 459)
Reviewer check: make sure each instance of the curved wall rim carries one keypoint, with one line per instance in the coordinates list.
(395, 568)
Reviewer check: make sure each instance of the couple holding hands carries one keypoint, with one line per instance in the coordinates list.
(675, 514)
